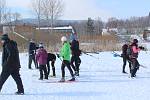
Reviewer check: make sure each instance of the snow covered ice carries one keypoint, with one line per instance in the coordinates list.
(100, 79)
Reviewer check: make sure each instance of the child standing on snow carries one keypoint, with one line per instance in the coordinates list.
(41, 58)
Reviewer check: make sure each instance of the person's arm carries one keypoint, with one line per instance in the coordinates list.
(10, 56)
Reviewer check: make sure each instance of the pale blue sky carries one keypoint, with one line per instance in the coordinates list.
(82, 9)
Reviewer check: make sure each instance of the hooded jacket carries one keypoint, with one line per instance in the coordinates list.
(65, 51)
(41, 56)
(10, 56)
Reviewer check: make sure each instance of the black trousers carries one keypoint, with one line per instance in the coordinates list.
(15, 75)
(42, 69)
(77, 61)
(135, 67)
(32, 58)
(53, 67)
(125, 59)
(66, 63)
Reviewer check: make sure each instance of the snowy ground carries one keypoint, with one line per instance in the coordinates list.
(100, 79)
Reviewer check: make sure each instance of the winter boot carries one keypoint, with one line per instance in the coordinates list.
(62, 80)
(19, 93)
(54, 72)
(124, 72)
(76, 73)
(73, 79)
(40, 78)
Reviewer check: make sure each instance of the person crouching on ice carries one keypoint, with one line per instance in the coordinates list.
(41, 58)
(65, 54)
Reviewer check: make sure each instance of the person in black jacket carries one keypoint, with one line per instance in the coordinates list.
(51, 57)
(75, 56)
(125, 57)
(32, 52)
(10, 63)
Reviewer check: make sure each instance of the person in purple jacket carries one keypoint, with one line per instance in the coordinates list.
(41, 58)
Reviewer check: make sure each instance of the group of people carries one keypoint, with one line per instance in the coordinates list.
(11, 62)
(40, 57)
(130, 54)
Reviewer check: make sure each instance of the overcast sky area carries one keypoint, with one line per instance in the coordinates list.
(82, 9)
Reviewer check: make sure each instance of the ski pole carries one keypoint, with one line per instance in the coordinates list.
(118, 55)
(21, 36)
(91, 55)
(56, 50)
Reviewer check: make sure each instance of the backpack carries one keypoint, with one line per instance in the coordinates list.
(129, 50)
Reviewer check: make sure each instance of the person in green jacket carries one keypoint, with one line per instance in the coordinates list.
(65, 55)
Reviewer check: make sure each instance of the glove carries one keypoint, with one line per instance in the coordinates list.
(58, 55)
(141, 47)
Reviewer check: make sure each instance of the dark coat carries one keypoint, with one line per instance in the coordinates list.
(32, 48)
(51, 57)
(124, 49)
(10, 56)
(41, 56)
(75, 48)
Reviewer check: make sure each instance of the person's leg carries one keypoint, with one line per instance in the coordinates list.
(63, 72)
(45, 71)
(77, 64)
(133, 68)
(67, 63)
(4, 76)
(53, 67)
(41, 72)
(72, 63)
(136, 67)
(35, 62)
(124, 64)
(30, 62)
(130, 65)
(48, 67)
(63, 69)
(16, 76)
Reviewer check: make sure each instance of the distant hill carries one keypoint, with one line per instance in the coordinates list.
(34, 22)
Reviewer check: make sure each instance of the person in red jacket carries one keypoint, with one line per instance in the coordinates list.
(134, 55)
(41, 58)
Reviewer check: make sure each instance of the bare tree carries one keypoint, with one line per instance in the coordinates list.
(2, 10)
(52, 10)
(90, 26)
(112, 22)
(99, 25)
(11, 19)
(16, 16)
(37, 9)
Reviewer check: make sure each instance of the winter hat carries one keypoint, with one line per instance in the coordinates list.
(41, 45)
(4, 37)
(63, 39)
(135, 41)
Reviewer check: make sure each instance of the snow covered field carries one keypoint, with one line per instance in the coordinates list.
(100, 79)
